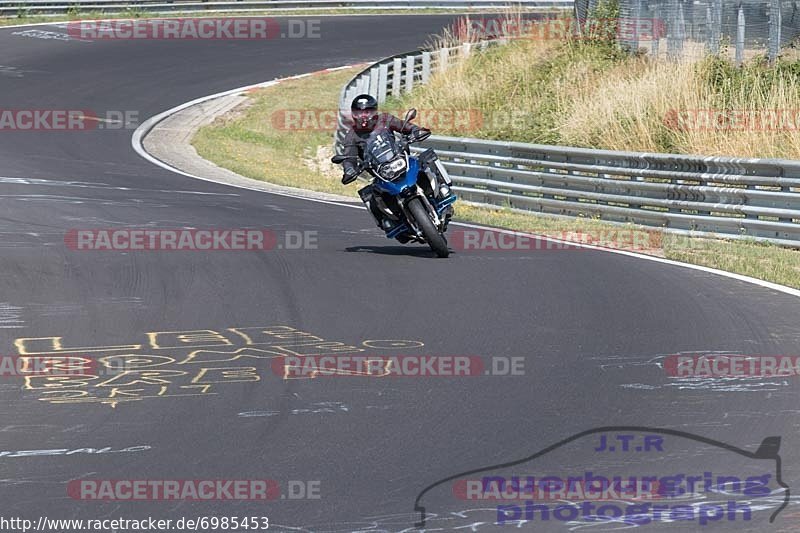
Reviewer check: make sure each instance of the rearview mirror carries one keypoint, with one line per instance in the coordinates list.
(410, 114)
(338, 159)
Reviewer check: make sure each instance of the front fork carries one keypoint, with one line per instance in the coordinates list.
(418, 193)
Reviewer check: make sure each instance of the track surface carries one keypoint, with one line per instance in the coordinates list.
(589, 324)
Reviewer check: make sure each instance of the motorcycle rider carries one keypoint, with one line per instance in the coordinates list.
(367, 119)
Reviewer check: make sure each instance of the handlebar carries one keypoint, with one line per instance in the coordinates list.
(408, 139)
(361, 165)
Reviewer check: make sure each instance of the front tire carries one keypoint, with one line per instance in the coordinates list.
(435, 239)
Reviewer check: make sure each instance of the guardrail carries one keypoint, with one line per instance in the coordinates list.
(60, 7)
(734, 198)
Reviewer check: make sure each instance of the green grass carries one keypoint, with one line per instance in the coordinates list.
(248, 143)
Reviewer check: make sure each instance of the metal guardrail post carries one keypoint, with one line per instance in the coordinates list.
(362, 85)
(410, 61)
(716, 26)
(676, 30)
(629, 26)
(680, 21)
(740, 29)
(426, 67)
(775, 26)
(383, 80)
(350, 95)
(373, 80)
(657, 33)
(397, 76)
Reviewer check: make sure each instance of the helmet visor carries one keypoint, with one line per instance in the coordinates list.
(363, 117)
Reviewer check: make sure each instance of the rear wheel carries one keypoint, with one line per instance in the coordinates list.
(435, 239)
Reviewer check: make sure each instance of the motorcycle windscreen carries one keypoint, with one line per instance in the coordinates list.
(381, 148)
(409, 179)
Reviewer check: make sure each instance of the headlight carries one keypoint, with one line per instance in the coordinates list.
(391, 169)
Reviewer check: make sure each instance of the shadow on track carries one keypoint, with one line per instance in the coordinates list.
(395, 250)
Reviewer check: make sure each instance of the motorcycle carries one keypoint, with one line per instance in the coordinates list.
(413, 191)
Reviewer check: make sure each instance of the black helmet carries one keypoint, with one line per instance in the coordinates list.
(364, 110)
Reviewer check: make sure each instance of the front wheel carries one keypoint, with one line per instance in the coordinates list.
(435, 239)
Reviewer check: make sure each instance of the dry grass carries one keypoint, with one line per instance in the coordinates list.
(656, 106)
(590, 95)
(245, 142)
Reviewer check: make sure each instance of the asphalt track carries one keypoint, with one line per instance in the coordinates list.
(590, 325)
